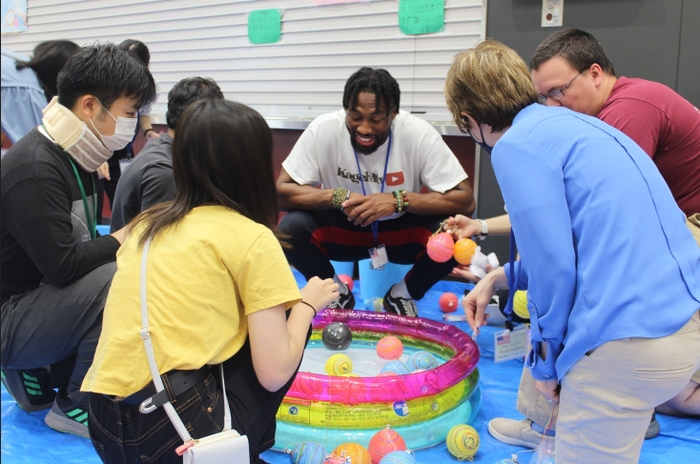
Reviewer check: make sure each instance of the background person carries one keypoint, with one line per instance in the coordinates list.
(149, 179)
(371, 161)
(140, 51)
(214, 263)
(570, 68)
(29, 84)
(599, 345)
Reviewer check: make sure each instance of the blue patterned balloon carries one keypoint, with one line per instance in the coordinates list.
(395, 367)
(399, 457)
(422, 360)
(308, 452)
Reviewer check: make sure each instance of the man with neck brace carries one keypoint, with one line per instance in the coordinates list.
(56, 269)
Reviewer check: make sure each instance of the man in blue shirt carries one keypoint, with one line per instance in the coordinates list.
(589, 229)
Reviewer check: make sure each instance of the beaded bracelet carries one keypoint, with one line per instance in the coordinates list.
(309, 305)
(404, 196)
(398, 198)
(401, 198)
(339, 196)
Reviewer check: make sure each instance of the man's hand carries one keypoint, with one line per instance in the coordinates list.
(550, 390)
(152, 134)
(364, 210)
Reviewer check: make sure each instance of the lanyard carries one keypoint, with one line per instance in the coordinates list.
(511, 285)
(375, 224)
(91, 221)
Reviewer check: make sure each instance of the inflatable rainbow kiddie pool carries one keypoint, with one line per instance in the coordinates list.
(421, 406)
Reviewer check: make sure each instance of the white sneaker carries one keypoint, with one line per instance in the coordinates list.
(514, 432)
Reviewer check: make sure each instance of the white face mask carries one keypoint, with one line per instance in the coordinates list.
(123, 132)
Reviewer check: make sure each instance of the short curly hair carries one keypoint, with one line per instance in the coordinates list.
(376, 81)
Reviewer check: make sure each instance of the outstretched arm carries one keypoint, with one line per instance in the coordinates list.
(462, 226)
(277, 343)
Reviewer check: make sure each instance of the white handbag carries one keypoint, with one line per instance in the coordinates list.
(225, 447)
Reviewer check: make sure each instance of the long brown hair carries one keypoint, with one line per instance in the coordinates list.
(222, 155)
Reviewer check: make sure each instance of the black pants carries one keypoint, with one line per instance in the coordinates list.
(52, 324)
(121, 434)
(317, 237)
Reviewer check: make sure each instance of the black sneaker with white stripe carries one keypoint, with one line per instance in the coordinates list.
(400, 306)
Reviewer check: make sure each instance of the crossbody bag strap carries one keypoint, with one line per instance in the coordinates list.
(145, 334)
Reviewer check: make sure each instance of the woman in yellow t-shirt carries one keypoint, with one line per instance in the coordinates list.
(219, 290)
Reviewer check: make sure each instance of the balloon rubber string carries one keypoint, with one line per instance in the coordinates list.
(442, 224)
(552, 420)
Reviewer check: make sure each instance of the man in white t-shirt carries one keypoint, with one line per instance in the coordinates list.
(353, 185)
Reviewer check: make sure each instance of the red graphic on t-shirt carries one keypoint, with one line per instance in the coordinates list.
(394, 178)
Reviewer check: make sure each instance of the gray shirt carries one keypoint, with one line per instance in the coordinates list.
(146, 182)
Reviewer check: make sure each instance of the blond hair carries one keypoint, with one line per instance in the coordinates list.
(490, 83)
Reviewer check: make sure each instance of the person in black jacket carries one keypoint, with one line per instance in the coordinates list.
(56, 271)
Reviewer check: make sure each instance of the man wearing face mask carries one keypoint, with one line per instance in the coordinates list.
(371, 161)
(56, 270)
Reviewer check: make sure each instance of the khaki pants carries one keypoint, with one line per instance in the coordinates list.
(533, 405)
(693, 223)
(608, 396)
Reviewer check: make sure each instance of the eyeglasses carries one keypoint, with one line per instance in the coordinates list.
(558, 94)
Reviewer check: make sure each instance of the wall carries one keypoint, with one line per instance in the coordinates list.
(301, 76)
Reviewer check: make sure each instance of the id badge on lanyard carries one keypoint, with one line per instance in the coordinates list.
(377, 254)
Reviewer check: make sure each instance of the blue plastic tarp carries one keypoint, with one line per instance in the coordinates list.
(26, 439)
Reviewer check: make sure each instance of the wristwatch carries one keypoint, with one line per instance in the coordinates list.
(484, 229)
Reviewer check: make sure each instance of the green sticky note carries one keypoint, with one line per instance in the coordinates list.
(421, 16)
(264, 26)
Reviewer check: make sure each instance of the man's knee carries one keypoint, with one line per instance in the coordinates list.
(296, 223)
(100, 279)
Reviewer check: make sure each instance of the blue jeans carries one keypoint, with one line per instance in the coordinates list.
(121, 434)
